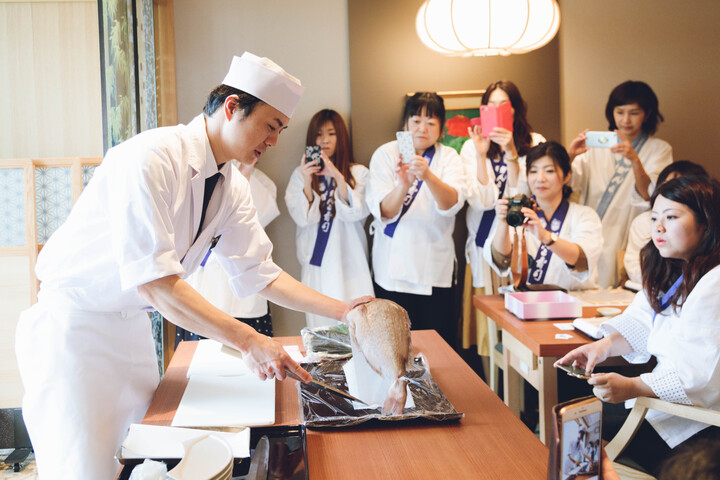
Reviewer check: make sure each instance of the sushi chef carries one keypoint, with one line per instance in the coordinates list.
(154, 208)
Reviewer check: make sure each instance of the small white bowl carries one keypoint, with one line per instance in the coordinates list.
(608, 311)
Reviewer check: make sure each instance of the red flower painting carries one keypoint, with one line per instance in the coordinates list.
(458, 125)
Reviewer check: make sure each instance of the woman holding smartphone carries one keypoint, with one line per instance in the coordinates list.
(674, 318)
(326, 199)
(565, 238)
(617, 181)
(414, 202)
(494, 159)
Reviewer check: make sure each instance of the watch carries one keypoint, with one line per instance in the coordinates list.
(553, 239)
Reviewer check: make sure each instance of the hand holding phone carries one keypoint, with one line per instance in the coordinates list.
(312, 153)
(492, 116)
(405, 146)
(601, 139)
(574, 371)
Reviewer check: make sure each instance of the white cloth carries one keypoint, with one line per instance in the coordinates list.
(592, 172)
(421, 254)
(581, 226)
(266, 80)
(483, 197)
(640, 234)
(685, 344)
(134, 223)
(87, 377)
(344, 272)
(212, 282)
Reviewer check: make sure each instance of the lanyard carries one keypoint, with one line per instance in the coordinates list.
(500, 169)
(665, 300)
(622, 168)
(327, 215)
(410, 195)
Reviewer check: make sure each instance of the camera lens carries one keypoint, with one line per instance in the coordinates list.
(515, 217)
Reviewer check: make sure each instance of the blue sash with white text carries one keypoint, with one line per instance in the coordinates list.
(542, 258)
(327, 215)
(410, 195)
(500, 169)
(622, 168)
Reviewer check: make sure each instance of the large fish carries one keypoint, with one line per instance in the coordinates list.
(380, 329)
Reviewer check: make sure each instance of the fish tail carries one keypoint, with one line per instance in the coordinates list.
(395, 401)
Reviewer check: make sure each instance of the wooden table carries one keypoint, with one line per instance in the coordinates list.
(529, 351)
(490, 442)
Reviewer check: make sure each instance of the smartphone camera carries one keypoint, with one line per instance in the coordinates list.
(514, 216)
(312, 153)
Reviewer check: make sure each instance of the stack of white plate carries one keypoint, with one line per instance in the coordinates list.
(206, 458)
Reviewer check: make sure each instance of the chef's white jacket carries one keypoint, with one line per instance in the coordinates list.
(212, 281)
(581, 226)
(344, 272)
(640, 234)
(685, 344)
(483, 197)
(137, 219)
(421, 254)
(592, 172)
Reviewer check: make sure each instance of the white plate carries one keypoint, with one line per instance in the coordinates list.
(206, 458)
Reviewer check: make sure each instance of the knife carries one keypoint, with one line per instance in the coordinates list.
(231, 351)
(259, 463)
(325, 386)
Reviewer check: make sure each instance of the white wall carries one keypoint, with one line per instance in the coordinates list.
(309, 40)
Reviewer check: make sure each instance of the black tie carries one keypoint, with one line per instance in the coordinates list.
(210, 183)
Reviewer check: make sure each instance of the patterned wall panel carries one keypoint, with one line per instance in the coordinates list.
(53, 189)
(12, 208)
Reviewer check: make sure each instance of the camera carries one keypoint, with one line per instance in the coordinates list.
(514, 216)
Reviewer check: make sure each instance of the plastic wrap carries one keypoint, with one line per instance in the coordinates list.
(321, 408)
(326, 343)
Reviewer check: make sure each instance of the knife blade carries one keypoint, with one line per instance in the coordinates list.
(259, 462)
(327, 387)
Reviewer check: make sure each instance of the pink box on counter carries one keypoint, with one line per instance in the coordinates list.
(545, 304)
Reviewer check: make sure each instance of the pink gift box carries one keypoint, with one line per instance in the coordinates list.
(546, 304)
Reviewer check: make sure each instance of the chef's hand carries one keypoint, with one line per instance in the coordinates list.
(268, 359)
(615, 388)
(354, 303)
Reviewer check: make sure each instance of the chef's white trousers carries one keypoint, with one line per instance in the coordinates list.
(87, 377)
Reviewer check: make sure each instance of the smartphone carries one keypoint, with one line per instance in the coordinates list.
(601, 139)
(492, 116)
(405, 146)
(580, 428)
(312, 152)
(574, 371)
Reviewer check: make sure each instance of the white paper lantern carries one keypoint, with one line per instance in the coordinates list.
(487, 27)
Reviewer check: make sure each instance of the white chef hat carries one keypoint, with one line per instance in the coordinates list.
(266, 80)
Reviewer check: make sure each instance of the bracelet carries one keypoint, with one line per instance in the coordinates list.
(514, 159)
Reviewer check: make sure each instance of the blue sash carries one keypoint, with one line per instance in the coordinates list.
(622, 168)
(665, 300)
(327, 215)
(410, 195)
(500, 169)
(542, 258)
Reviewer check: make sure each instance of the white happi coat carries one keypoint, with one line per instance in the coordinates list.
(685, 344)
(85, 350)
(421, 254)
(640, 234)
(481, 198)
(212, 281)
(581, 226)
(591, 173)
(344, 272)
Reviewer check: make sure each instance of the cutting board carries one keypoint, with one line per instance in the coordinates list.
(220, 401)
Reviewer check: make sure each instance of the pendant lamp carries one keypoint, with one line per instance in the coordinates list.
(487, 27)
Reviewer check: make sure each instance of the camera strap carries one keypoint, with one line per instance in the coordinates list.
(519, 255)
(327, 215)
(622, 168)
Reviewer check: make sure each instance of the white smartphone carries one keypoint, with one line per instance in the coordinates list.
(601, 139)
(405, 146)
(580, 427)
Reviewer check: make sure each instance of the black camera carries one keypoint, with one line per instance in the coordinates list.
(514, 216)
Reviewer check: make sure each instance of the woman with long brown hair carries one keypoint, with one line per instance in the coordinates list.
(674, 318)
(326, 199)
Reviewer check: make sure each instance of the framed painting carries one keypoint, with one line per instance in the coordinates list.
(460, 107)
